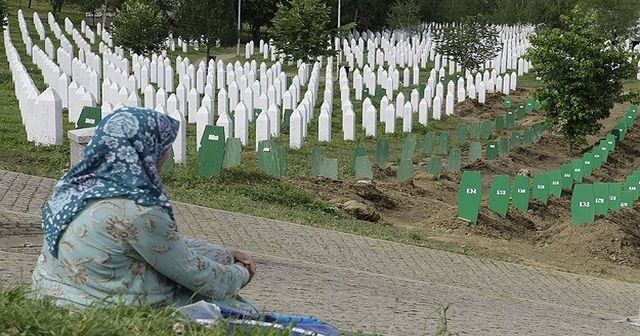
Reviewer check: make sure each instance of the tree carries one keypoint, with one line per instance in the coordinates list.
(616, 16)
(56, 7)
(301, 29)
(258, 14)
(470, 43)
(582, 74)
(4, 12)
(206, 21)
(140, 26)
(404, 16)
(94, 6)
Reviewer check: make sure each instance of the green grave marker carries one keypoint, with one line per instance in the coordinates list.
(486, 130)
(529, 105)
(435, 166)
(508, 102)
(405, 171)
(421, 89)
(382, 153)
(537, 132)
(443, 145)
(597, 158)
(528, 136)
(461, 134)
(541, 187)
(169, 164)
(89, 117)
(582, 205)
(329, 168)
(317, 154)
(359, 151)
(611, 141)
(587, 164)
(627, 199)
(566, 172)
(474, 134)
(578, 173)
(268, 158)
(632, 184)
(470, 196)
(287, 119)
(500, 194)
(520, 193)
(455, 158)
(630, 120)
(379, 92)
(363, 168)
(510, 120)
(615, 192)
(555, 183)
(475, 151)
(504, 147)
(604, 150)
(617, 133)
(282, 157)
(500, 124)
(232, 153)
(600, 195)
(409, 147)
(429, 144)
(516, 139)
(289, 81)
(211, 153)
(492, 150)
(520, 112)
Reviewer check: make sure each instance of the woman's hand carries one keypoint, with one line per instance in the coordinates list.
(246, 261)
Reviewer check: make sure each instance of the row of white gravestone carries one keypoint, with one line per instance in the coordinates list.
(41, 112)
(297, 112)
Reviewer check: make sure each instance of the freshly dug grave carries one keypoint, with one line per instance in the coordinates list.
(542, 236)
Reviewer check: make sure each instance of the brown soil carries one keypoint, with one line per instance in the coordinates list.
(542, 236)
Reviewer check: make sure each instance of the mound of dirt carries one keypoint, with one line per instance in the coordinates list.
(543, 235)
(471, 110)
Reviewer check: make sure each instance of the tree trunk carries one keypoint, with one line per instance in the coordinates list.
(29, 3)
(255, 32)
(208, 51)
(104, 14)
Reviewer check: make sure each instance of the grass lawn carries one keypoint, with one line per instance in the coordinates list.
(243, 189)
(22, 315)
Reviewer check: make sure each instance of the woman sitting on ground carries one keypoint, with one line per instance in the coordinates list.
(110, 234)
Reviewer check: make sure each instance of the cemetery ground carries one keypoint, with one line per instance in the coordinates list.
(420, 212)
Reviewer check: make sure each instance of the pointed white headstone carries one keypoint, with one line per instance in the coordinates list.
(47, 128)
(263, 128)
(407, 118)
(390, 119)
(423, 112)
(193, 105)
(437, 108)
(296, 140)
(324, 125)
(240, 124)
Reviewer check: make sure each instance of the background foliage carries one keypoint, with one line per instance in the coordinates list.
(140, 26)
(582, 74)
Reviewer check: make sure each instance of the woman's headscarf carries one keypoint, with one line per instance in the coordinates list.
(120, 161)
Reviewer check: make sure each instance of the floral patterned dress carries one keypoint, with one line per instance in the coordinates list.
(115, 250)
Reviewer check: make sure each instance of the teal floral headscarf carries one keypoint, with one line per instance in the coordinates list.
(121, 160)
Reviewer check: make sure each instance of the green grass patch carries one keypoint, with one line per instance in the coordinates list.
(22, 315)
